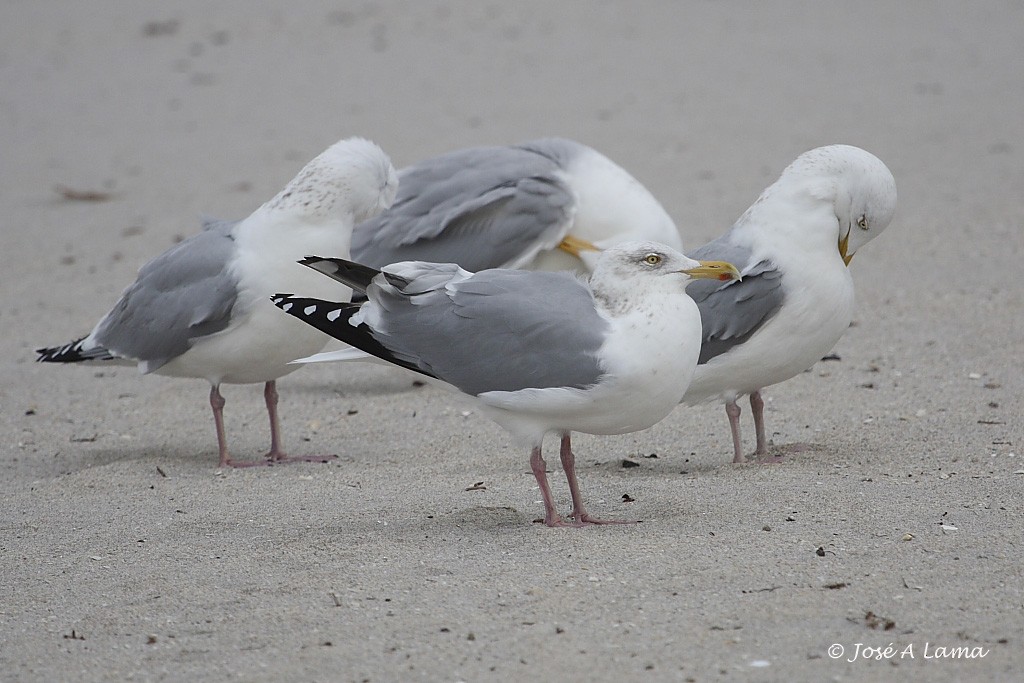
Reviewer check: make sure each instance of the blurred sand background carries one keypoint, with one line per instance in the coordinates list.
(125, 554)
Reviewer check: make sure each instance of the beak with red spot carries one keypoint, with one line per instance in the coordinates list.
(713, 270)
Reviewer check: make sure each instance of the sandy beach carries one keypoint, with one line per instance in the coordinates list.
(889, 549)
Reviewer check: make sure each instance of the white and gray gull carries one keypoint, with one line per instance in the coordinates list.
(202, 308)
(792, 247)
(540, 205)
(539, 352)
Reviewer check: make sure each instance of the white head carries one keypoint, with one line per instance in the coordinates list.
(618, 268)
(859, 186)
(352, 178)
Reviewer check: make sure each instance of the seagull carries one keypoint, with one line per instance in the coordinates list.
(539, 352)
(547, 204)
(795, 300)
(202, 309)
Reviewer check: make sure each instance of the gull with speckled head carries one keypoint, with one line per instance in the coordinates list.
(539, 352)
(546, 204)
(793, 247)
(202, 309)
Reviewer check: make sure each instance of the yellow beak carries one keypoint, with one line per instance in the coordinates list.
(574, 245)
(844, 244)
(714, 270)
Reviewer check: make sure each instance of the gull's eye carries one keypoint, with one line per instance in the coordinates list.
(652, 259)
(862, 222)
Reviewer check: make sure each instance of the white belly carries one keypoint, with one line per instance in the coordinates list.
(257, 349)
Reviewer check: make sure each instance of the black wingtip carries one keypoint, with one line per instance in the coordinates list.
(349, 273)
(68, 353)
(72, 352)
(333, 318)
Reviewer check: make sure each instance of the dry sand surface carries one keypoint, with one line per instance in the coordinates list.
(126, 555)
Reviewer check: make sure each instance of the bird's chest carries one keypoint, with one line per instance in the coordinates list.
(816, 311)
(818, 305)
(654, 351)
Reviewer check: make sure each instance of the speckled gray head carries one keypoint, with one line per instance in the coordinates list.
(352, 177)
(630, 260)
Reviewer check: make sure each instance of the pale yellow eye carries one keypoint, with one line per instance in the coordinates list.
(862, 222)
(652, 259)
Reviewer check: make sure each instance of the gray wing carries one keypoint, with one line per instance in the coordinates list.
(497, 330)
(731, 313)
(483, 207)
(217, 224)
(181, 295)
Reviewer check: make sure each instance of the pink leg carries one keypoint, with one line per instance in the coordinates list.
(217, 403)
(733, 411)
(276, 454)
(270, 397)
(579, 513)
(540, 471)
(757, 409)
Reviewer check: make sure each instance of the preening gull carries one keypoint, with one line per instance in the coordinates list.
(539, 205)
(539, 352)
(792, 246)
(202, 309)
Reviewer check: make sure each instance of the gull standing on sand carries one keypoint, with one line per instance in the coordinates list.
(792, 246)
(202, 308)
(539, 352)
(541, 205)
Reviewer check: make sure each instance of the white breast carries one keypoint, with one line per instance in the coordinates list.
(816, 311)
(261, 340)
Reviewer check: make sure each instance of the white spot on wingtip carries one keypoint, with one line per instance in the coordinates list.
(287, 307)
(334, 315)
(309, 310)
